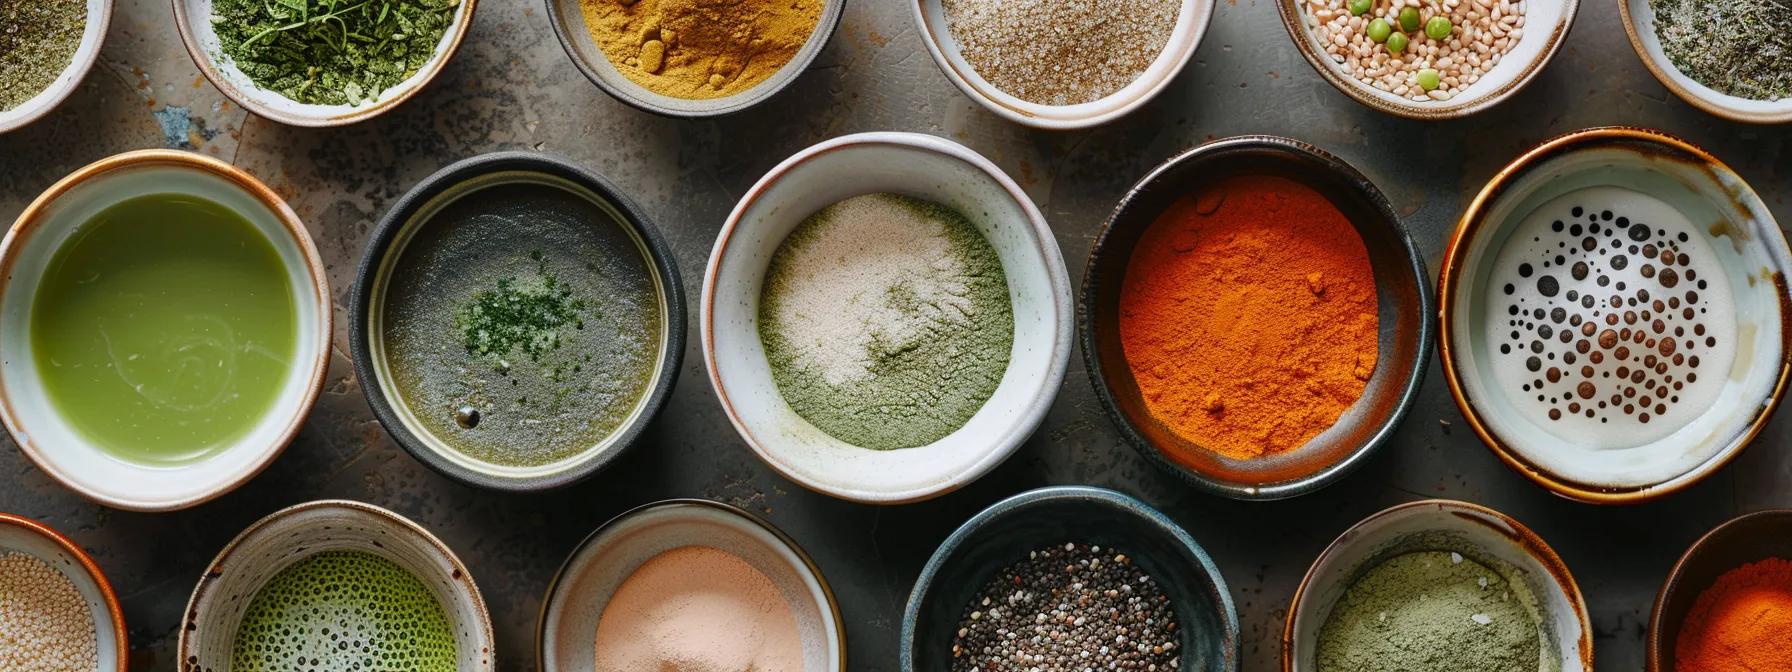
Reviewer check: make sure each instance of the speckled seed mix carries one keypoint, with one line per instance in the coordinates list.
(1481, 32)
(44, 624)
(1068, 608)
(1054, 52)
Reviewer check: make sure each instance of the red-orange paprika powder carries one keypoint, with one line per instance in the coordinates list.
(1742, 623)
(1248, 316)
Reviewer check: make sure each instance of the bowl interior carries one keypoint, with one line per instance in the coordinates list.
(600, 565)
(569, 24)
(1007, 532)
(60, 448)
(1474, 532)
(22, 539)
(1744, 251)
(1750, 538)
(923, 167)
(99, 16)
(1401, 304)
(208, 631)
(1648, 45)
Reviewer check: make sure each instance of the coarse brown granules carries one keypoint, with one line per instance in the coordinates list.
(1054, 52)
(44, 623)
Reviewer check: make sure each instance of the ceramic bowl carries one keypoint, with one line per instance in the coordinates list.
(41, 431)
(1546, 24)
(1639, 24)
(193, 18)
(1403, 302)
(1010, 529)
(568, 20)
(1191, 24)
(23, 535)
(597, 568)
(1727, 218)
(231, 581)
(411, 214)
(1474, 531)
(1742, 540)
(922, 166)
(99, 17)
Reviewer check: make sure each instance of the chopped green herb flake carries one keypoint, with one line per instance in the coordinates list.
(331, 52)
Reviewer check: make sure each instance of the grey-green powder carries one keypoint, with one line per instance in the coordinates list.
(886, 321)
(38, 39)
(1437, 611)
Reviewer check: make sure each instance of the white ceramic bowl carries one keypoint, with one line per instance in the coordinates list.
(1545, 28)
(1191, 25)
(23, 535)
(99, 16)
(208, 628)
(565, 638)
(193, 18)
(925, 167)
(1639, 25)
(41, 431)
(1472, 530)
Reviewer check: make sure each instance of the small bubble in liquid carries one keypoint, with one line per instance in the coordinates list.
(467, 417)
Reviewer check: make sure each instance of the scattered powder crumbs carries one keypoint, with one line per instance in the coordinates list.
(1053, 52)
(44, 623)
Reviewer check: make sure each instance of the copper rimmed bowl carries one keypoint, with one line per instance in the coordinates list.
(19, 534)
(1635, 395)
(1742, 540)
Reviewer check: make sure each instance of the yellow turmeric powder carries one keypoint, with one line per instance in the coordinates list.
(700, 48)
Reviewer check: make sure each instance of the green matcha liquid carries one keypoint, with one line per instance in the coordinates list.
(164, 328)
(338, 611)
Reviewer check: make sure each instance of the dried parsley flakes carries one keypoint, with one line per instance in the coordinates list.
(1738, 47)
(38, 40)
(331, 52)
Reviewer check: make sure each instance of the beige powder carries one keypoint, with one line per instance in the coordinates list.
(698, 609)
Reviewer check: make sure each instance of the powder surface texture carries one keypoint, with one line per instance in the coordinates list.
(1436, 611)
(1742, 623)
(44, 624)
(698, 609)
(1054, 52)
(700, 48)
(38, 40)
(1248, 316)
(337, 611)
(886, 320)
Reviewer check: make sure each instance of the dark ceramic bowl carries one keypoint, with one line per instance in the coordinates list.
(1013, 527)
(1749, 538)
(411, 213)
(1403, 298)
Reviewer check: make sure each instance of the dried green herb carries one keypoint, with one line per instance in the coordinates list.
(1739, 47)
(519, 315)
(331, 52)
(38, 39)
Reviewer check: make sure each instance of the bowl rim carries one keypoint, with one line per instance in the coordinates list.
(1522, 536)
(1413, 378)
(1204, 10)
(1230, 638)
(31, 218)
(458, 30)
(1713, 106)
(814, 570)
(1293, 21)
(824, 31)
(658, 255)
(76, 73)
(1044, 244)
(1653, 645)
(1471, 224)
(123, 652)
(183, 646)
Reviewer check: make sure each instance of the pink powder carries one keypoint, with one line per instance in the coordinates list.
(698, 609)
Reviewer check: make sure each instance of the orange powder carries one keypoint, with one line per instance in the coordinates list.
(1742, 623)
(1248, 316)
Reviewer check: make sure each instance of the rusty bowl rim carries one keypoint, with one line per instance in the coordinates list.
(107, 595)
(1653, 645)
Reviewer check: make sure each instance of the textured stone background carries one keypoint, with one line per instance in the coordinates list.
(511, 87)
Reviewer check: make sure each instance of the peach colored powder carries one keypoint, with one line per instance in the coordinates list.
(698, 609)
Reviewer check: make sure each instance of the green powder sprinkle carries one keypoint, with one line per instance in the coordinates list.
(1741, 48)
(1434, 610)
(38, 40)
(525, 316)
(886, 321)
(344, 610)
(331, 52)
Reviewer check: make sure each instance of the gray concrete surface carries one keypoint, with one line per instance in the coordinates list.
(511, 87)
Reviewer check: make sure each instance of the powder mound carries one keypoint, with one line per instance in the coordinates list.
(700, 49)
(1433, 610)
(44, 623)
(344, 610)
(1742, 623)
(1054, 52)
(697, 609)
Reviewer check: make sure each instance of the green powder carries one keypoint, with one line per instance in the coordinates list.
(344, 610)
(1436, 611)
(38, 40)
(886, 321)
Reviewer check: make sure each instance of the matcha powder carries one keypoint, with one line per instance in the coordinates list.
(886, 320)
(38, 40)
(1437, 611)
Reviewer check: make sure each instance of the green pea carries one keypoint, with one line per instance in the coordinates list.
(1379, 30)
(1396, 43)
(1360, 7)
(1428, 79)
(1438, 28)
(1409, 19)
